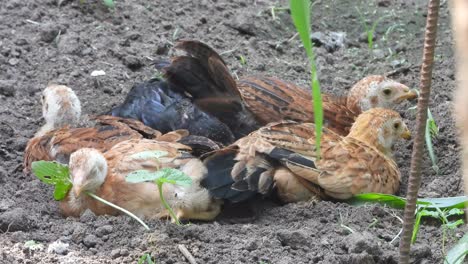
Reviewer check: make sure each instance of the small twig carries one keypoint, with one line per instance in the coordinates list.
(32, 22)
(229, 51)
(401, 229)
(187, 254)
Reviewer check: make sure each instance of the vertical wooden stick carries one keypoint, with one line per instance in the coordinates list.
(416, 158)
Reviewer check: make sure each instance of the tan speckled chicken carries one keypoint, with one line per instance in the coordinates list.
(283, 156)
(256, 101)
(104, 174)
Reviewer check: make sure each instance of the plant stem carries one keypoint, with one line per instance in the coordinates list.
(416, 158)
(166, 205)
(119, 208)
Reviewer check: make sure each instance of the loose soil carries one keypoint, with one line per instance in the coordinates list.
(63, 41)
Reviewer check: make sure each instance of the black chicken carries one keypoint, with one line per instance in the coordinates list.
(160, 106)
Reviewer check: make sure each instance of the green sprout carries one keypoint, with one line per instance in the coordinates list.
(109, 3)
(159, 177)
(443, 216)
(369, 29)
(242, 60)
(54, 173)
(33, 245)
(145, 259)
(300, 12)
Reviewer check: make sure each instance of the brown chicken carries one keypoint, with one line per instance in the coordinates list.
(283, 155)
(56, 140)
(256, 101)
(60, 107)
(104, 175)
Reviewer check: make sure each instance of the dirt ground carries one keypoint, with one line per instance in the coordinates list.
(63, 41)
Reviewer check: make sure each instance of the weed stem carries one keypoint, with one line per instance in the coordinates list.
(119, 208)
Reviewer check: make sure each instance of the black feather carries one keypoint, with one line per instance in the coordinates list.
(160, 107)
(219, 181)
(284, 155)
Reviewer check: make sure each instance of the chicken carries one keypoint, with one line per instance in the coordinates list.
(104, 174)
(57, 139)
(60, 107)
(282, 156)
(256, 101)
(156, 105)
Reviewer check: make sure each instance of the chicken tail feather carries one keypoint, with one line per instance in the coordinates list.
(219, 181)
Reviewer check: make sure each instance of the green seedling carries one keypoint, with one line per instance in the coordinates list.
(300, 12)
(54, 173)
(443, 216)
(242, 60)
(33, 245)
(370, 29)
(145, 259)
(159, 177)
(439, 208)
(457, 254)
(109, 3)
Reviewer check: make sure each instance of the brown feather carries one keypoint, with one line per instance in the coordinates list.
(347, 166)
(143, 199)
(60, 143)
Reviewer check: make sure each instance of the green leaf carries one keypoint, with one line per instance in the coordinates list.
(141, 176)
(300, 12)
(174, 176)
(445, 203)
(150, 154)
(457, 254)
(109, 3)
(431, 132)
(168, 175)
(387, 199)
(454, 224)
(51, 172)
(33, 245)
(455, 211)
(399, 202)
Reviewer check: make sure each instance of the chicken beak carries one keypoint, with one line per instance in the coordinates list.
(406, 134)
(77, 191)
(78, 182)
(409, 95)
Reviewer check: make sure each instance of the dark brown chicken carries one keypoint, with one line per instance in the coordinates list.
(256, 101)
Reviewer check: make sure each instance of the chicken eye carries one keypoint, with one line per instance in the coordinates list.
(396, 125)
(387, 91)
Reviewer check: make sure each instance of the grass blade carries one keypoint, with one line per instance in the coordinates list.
(399, 202)
(457, 254)
(300, 12)
(431, 132)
